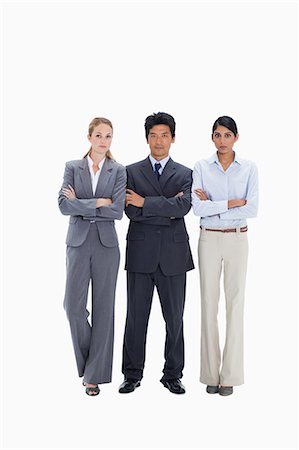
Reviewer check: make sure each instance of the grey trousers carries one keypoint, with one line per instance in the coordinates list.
(93, 343)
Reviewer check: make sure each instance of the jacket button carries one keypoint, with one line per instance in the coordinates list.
(158, 232)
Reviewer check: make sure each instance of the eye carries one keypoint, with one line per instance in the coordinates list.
(228, 135)
(216, 135)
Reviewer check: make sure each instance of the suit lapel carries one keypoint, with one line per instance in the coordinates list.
(168, 172)
(85, 178)
(104, 178)
(147, 170)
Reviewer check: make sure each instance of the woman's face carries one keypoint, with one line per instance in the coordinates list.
(100, 139)
(224, 139)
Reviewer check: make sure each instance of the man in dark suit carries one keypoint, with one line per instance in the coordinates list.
(158, 253)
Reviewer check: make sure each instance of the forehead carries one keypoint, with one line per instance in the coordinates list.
(102, 128)
(159, 129)
(222, 130)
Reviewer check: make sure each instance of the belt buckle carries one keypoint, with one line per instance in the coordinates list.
(92, 221)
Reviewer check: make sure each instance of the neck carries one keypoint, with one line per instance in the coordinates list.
(225, 158)
(96, 157)
(159, 158)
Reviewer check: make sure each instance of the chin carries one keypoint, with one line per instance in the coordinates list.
(223, 151)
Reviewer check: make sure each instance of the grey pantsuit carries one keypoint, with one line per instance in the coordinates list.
(92, 257)
(93, 344)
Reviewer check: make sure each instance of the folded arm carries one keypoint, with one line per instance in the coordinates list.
(74, 206)
(100, 209)
(250, 208)
(114, 210)
(203, 206)
(158, 209)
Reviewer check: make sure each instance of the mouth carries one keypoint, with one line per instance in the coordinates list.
(223, 147)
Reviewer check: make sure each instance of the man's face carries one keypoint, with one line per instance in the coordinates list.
(159, 141)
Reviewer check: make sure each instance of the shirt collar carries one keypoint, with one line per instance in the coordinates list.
(163, 161)
(214, 159)
(90, 162)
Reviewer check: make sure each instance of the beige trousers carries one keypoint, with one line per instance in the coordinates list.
(217, 250)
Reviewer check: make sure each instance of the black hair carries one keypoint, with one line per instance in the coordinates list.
(160, 118)
(226, 122)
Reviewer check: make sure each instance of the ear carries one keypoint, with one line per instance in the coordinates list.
(88, 137)
(236, 137)
(173, 140)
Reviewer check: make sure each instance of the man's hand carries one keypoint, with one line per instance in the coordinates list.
(134, 199)
(103, 202)
(69, 192)
(235, 203)
(201, 194)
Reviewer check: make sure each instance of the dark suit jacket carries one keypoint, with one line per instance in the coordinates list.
(157, 233)
(111, 184)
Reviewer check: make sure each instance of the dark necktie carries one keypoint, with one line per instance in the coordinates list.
(157, 167)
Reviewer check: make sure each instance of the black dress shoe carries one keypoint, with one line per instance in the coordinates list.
(175, 386)
(212, 389)
(129, 385)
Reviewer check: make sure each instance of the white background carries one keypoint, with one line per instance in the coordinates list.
(65, 63)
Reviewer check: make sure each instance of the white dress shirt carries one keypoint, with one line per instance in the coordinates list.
(163, 163)
(94, 176)
(239, 181)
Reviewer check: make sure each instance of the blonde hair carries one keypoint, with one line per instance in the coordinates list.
(94, 123)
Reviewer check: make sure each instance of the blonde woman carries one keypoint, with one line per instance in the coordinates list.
(93, 195)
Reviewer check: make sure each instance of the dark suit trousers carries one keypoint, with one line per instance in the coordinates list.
(171, 291)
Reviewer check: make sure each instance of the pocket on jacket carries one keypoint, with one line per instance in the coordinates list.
(180, 237)
(136, 236)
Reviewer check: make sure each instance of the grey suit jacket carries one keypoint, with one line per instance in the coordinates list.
(157, 233)
(111, 184)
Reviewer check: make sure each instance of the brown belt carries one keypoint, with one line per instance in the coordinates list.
(227, 230)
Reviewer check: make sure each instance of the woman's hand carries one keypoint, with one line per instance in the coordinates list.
(201, 194)
(69, 192)
(103, 202)
(235, 203)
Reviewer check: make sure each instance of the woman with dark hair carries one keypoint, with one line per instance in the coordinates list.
(224, 195)
(93, 195)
